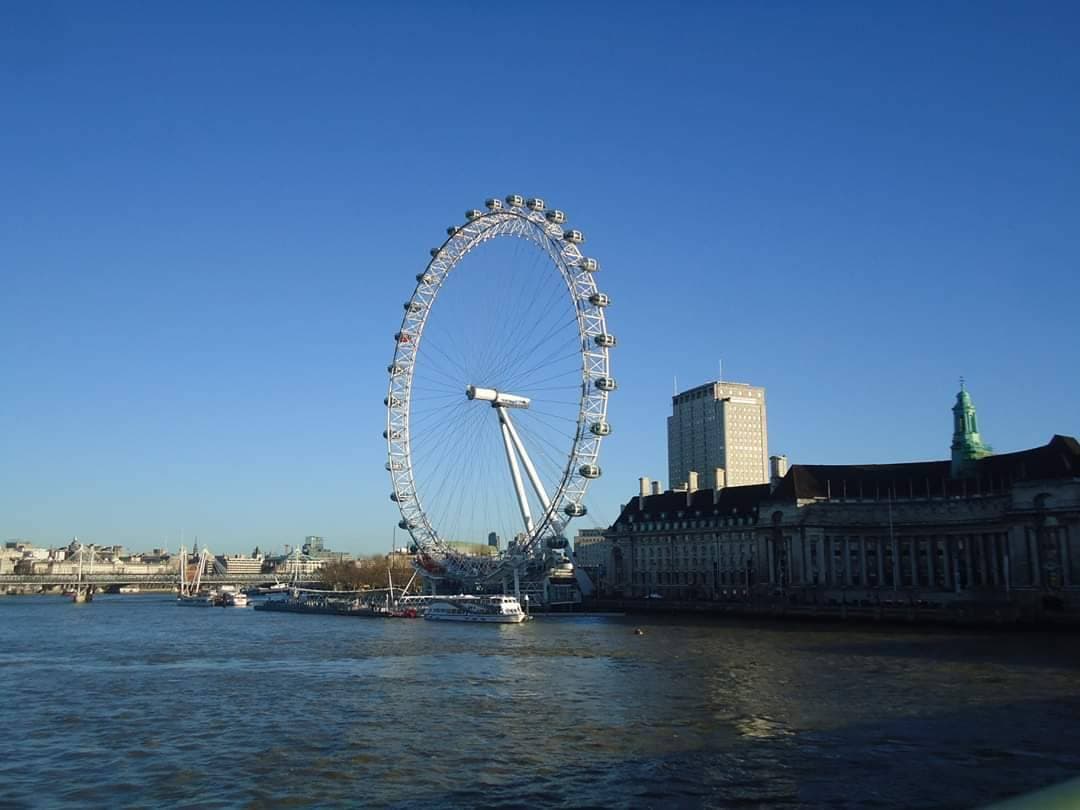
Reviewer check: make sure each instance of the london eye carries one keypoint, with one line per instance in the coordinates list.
(498, 396)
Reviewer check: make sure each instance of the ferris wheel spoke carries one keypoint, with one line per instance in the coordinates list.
(541, 310)
(563, 375)
(435, 375)
(456, 365)
(552, 426)
(517, 378)
(555, 330)
(453, 462)
(541, 442)
(533, 344)
(502, 324)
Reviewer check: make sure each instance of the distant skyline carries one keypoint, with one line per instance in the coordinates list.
(212, 215)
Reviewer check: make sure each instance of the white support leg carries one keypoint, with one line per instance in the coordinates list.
(515, 473)
(530, 470)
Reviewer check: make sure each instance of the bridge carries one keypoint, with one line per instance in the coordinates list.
(106, 580)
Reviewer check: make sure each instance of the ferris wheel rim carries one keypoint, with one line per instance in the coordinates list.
(542, 226)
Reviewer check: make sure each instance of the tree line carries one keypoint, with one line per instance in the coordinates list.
(365, 573)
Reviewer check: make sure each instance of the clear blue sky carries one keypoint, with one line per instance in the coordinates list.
(210, 215)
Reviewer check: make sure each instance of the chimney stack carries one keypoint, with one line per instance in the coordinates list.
(691, 486)
(778, 468)
(656, 488)
(720, 479)
(643, 490)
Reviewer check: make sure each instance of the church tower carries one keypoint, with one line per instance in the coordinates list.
(967, 444)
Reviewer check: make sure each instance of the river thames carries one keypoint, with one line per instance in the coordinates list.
(132, 701)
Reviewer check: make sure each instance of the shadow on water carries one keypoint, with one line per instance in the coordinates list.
(964, 758)
(1034, 649)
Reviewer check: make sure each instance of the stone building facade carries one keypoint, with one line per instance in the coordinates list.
(993, 530)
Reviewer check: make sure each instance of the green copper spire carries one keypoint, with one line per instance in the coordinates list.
(967, 444)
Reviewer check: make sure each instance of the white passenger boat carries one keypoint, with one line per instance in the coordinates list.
(233, 599)
(492, 609)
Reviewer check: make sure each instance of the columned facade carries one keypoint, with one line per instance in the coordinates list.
(903, 534)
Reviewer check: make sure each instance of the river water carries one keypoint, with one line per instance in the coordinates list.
(133, 701)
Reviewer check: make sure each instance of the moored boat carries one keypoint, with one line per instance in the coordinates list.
(467, 608)
(201, 599)
(337, 603)
(233, 599)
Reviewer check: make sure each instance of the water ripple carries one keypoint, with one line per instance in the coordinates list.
(135, 703)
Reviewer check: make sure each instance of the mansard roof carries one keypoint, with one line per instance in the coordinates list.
(730, 501)
(1060, 458)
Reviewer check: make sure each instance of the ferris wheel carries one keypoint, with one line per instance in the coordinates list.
(498, 396)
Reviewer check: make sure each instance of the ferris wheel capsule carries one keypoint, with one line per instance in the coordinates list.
(407, 525)
(434, 252)
(555, 216)
(600, 429)
(574, 510)
(606, 383)
(425, 278)
(589, 265)
(493, 204)
(515, 200)
(605, 341)
(599, 299)
(413, 306)
(589, 471)
(575, 237)
(535, 204)
(453, 230)
(473, 213)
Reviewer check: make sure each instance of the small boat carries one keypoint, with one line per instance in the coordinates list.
(277, 587)
(129, 589)
(200, 599)
(233, 599)
(467, 608)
